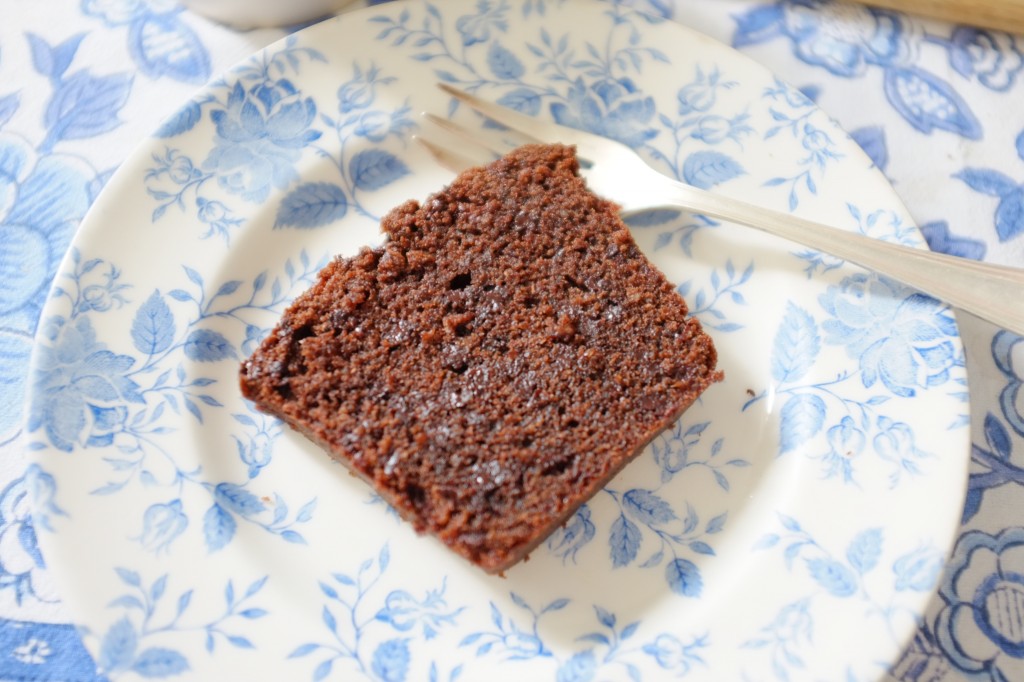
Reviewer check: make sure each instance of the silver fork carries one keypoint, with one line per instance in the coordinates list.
(991, 292)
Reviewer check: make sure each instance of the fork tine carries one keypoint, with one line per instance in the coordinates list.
(540, 131)
(464, 134)
(453, 161)
(455, 157)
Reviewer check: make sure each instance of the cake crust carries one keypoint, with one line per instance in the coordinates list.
(489, 368)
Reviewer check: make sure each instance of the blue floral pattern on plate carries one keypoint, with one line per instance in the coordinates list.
(881, 39)
(288, 159)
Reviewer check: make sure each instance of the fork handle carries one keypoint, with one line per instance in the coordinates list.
(992, 292)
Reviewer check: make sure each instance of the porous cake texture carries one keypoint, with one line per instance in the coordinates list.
(495, 363)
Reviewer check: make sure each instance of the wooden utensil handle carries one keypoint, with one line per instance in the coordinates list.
(1002, 15)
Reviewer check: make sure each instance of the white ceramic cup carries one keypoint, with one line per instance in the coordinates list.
(264, 13)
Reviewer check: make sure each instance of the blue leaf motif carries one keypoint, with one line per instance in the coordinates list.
(624, 541)
(118, 647)
(391, 660)
(159, 662)
(801, 419)
(229, 287)
(939, 238)
(796, 345)
(8, 105)
(833, 576)
(684, 578)
(205, 345)
(372, 169)
(997, 437)
(652, 218)
(218, 527)
(303, 650)
(717, 523)
(293, 537)
(313, 204)
(128, 577)
(556, 605)
(183, 601)
(522, 100)
(757, 25)
(238, 499)
(646, 507)
(158, 588)
(182, 121)
(972, 504)
(240, 642)
(153, 326)
(865, 550)
(503, 63)
(707, 168)
(928, 103)
(163, 45)
(329, 620)
(49, 61)
(323, 670)
(872, 141)
(790, 524)
(253, 613)
(306, 511)
(987, 181)
(85, 105)
(1010, 215)
(701, 547)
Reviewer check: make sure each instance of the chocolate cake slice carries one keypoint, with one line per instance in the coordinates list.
(495, 363)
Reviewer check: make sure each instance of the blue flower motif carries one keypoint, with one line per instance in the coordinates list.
(844, 38)
(671, 654)
(216, 215)
(979, 628)
(919, 570)
(476, 28)
(41, 199)
(900, 338)
(361, 91)
(894, 442)
(818, 142)
(714, 129)
(391, 660)
(571, 538)
(612, 108)
(404, 612)
(161, 524)
(160, 43)
(702, 94)
(846, 441)
(1006, 347)
(993, 57)
(259, 137)
(115, 12)
(21, 563)
(581, 667)
(80, 387)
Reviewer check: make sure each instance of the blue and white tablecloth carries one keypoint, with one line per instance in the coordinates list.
(940, 108)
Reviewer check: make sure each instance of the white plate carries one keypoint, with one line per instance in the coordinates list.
(792, 525)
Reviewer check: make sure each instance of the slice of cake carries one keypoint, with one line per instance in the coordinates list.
(495, 363)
